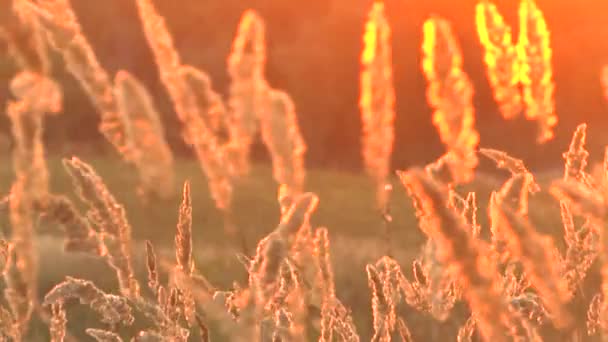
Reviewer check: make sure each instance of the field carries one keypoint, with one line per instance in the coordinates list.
(471, 246)
(356, 239)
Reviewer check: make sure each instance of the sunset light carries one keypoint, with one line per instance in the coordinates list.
(281, 171)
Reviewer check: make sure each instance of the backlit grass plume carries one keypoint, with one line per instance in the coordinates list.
(248, 88)
(282, 137)
(377, 99)
(450, 93)
(464, 256)
(24, 37)
(536, 71)
(500, 57)
(537, 255)
(151, 153)
(65, 34)
(110, 220)
(195, 132)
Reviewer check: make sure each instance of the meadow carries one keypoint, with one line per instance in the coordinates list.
(140, 244)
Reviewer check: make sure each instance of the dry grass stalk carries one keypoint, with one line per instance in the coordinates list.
(500, 57)
(18, 295)
(281, 134)
(152, 267)
(380, 306)
(248, 87)
(112, 309)
(80, 236)
(104, 335)
(595, 321)
(326, 283)
(404, 331)
(58, 322)
(36, 95)
(576, 156)
(462, 255)
(58, 20)
(515, 166)
(450, 93)
(184, 267)
(185, 101)
(536, 72)
(537, 255)
(183, 238)
(151, 153)
(24, 38)
(377, 99)
(209, 102)
(109, 217)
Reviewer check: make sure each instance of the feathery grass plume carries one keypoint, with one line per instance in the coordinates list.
(377, 99)
(464, 256)
(576, 156)
(248, 87)
(112, 309)
(593, 204)
(151, 153)
(390, 273)
(281, 134)
(164, 316)
(514, 193)
(515, 166)
(536, 252)
(5, 255)
(581, 246)
(595, 321)
(344, 325)
(59, 21)
(25, 39)
(151, 267)
(109, 217)
(450, 94)
(184, 267)
(271, 252)
(465, 333)
(80, 237)
(380, 306)
(582, 249)
(8, 327)
(470, 214)
(183, 238)
(31, 183)
(18, 296)
(404, 331)
(185, 101)
(58, 322)
(209, 102)
(500, 57)
(104, 335)
(325, 281)
(581, 199)
(535, 70)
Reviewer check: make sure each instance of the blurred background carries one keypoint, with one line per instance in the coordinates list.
(313, 54)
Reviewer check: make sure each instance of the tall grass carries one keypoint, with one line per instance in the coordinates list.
(502, 278)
